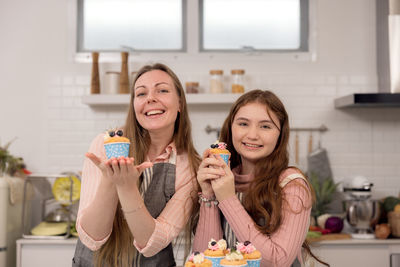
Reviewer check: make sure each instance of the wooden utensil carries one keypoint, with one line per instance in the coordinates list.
(310, 143)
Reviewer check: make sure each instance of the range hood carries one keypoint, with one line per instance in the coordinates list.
(388, 61)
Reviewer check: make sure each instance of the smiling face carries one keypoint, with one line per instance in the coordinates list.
(156, 102)
(254, 132)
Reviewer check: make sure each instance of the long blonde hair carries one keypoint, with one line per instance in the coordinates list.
(118, 250)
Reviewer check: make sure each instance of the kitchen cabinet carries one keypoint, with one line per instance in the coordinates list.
(45, 252)
(191, 99)
(357, 253)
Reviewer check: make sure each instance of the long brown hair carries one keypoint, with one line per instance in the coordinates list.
(263, 200)
(118, 250)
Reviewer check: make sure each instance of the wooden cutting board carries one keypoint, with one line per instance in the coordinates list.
(329, 237)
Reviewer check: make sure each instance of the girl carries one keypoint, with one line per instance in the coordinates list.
(127, 216)
(262, 200)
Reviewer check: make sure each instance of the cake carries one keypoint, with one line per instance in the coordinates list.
(115, 144)
(250, 253)
(220, 149)
(197, 260)
(216, 251)
(233, 258)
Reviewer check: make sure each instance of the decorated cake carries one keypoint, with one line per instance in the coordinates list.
(197, 260)
(233, 258)
(250, 253)
(115, 144)
(216, 251)
(220, 149)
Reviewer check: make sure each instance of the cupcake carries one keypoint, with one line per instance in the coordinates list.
(197, 260)
(220, 149)
(250, 253)
(115, 144)
(233, 258)
(216, 251)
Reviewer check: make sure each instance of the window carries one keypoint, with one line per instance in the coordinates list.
(251, 25)
(140, 25)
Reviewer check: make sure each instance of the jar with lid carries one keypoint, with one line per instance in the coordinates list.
(216, 84)
(237, 81)
(192, 87)
(111, 83)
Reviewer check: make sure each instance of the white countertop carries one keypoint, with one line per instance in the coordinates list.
(44, 241)
(352, 241)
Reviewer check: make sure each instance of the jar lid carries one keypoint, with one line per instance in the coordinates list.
(113, 72)
(220, 72)
(192, 84)
(239, 71)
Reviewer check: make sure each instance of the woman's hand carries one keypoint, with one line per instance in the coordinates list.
(224, 187)
(209, 169)
(121, 171)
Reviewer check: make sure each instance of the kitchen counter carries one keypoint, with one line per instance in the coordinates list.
(45, 252)
(358, 252)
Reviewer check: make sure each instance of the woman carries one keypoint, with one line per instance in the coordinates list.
(262, 199)
(132, 208)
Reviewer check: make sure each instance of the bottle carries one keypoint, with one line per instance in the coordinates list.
(216, 84)
(237, 81)
(95, 81)
(124, 78)
(192, 87)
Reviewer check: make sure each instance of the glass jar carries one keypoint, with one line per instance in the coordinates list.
(216, 84)
(237, 81)
(192, 87)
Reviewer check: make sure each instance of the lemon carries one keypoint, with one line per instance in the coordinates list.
(62, 189)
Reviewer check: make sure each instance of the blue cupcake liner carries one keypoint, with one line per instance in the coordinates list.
(117, 150)
(225, 157)
(253, 263)
(215, 260)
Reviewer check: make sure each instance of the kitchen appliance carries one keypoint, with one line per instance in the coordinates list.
(362, 212)
(47, 214)
(387, 58)
(10, 222)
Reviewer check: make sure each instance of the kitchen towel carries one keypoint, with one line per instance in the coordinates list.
(318, 164)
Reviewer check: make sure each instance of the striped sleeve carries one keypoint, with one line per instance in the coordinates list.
(282, 247)
(176, 213)
(90, 182)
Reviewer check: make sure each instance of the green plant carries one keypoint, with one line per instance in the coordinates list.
(9, 164)
(324, 191)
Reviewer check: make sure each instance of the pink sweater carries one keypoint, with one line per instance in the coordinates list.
(167, 225)
(280, 248)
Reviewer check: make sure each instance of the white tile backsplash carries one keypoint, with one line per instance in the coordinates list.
(359, 141)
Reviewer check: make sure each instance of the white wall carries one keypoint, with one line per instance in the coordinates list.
(41, 90)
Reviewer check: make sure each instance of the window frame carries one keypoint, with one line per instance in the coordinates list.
(304, 33)
(80, 34)
(192, 35)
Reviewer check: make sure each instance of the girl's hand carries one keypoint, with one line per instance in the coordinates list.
(224, 187)
(121, 171)
(209, 169)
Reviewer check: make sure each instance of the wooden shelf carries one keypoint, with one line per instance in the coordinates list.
(192, 99)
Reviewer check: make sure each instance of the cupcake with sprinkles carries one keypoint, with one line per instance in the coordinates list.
(216, 251)
(197, 260)
(233, 258)
(220, 149)
(250, 253)
(115, 144)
